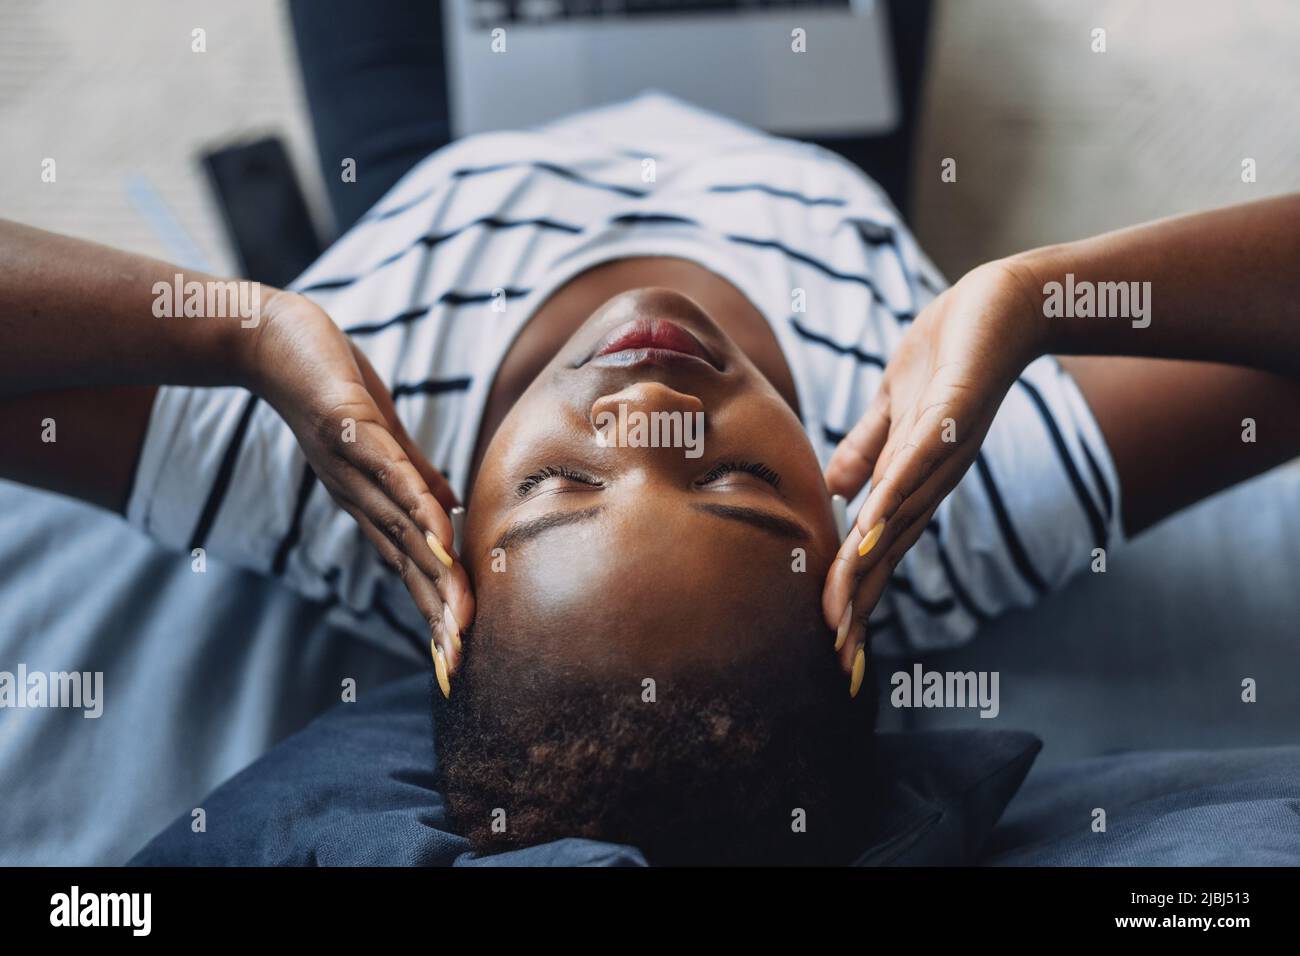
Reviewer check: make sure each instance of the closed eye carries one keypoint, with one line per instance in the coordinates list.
(755, 468)
(551, 472)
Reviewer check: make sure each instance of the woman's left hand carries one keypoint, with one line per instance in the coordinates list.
(941, 389)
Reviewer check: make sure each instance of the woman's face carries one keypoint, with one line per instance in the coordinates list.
(590, 543)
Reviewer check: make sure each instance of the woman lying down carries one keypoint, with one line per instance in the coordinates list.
(660, 641)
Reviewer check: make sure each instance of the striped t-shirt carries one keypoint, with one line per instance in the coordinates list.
(437, 280)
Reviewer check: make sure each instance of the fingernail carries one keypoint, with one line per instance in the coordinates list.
(859, 668)
(436, 547)
(871, 538)
(449, 622)
(440, 668)
(846, 622)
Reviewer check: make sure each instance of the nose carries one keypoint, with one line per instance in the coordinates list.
(646, 397)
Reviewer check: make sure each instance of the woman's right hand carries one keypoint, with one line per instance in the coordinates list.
(343, 416)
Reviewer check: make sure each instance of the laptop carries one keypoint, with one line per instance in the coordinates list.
(517, 63)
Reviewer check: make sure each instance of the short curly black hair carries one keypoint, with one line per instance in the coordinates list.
(762, 763)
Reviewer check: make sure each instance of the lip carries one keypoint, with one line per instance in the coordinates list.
(650, 341)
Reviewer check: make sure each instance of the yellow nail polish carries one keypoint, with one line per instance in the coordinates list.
(859, 669)
(436, 547)
(453, 629)
(440, 668)
(842, 631)
(871, 538)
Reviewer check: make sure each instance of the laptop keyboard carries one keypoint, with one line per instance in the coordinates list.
(487, 13)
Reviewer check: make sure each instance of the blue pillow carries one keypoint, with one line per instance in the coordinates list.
(357, 788)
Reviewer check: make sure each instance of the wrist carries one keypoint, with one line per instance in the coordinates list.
(251, 341)
(1023, 276)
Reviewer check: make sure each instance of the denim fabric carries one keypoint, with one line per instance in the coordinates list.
(358, 787)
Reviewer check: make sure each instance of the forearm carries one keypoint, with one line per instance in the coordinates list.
(74, 313)
(1220, 286)
(1175, 429)
(78, 442)
(90, 332)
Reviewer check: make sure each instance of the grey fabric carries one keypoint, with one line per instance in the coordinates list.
(1191, 808)
(202, 673)
(1151, 654)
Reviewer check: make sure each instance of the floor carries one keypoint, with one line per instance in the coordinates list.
(1051, 140)
(1054, 141)
(113, 93)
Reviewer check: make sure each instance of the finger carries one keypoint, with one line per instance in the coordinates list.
(434, 479)
(919, 506)
(849, 566)
(377, 455)
(382, 462)
(422, 589)
(900, 426)
(852, 634)
(855, 456)
(382, 459)
(842, 580)
(915, 456)
(405, 525)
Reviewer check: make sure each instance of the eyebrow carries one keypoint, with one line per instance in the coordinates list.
(766, 521)
(758, 518)
(523, 531)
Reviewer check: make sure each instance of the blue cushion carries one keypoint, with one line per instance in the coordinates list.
(357, 787)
